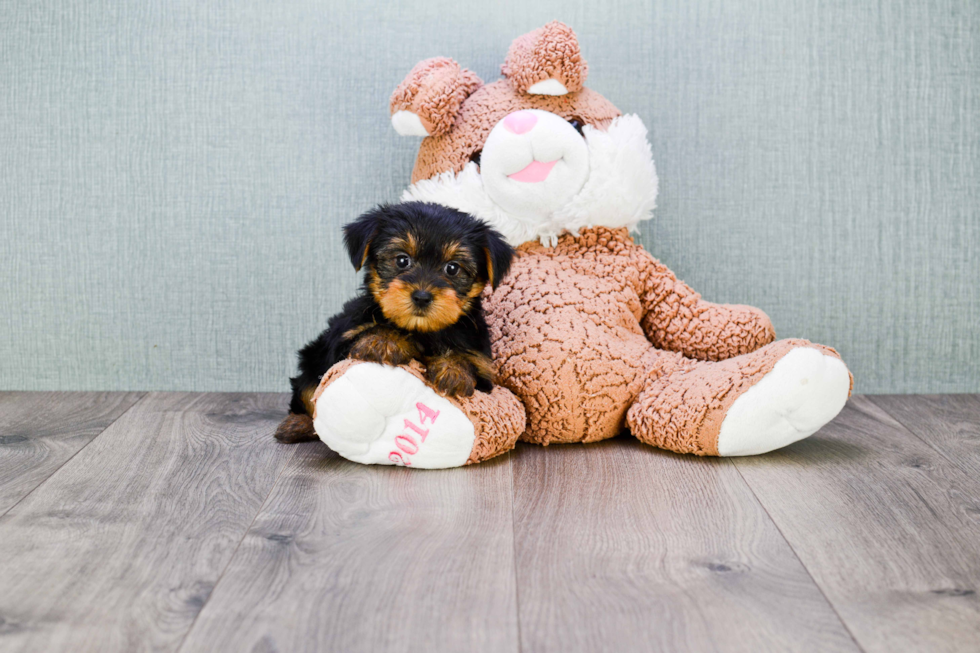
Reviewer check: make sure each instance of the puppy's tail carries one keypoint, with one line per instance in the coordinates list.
(296, 428)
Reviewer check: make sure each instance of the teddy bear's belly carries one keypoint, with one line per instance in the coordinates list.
(571, 348)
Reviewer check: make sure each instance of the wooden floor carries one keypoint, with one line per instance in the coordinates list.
(174, 522)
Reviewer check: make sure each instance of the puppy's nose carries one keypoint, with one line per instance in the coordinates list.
(520, 122)
(422, 298)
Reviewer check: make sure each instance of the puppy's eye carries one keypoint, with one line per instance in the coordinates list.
(577, 124)
(403, 261)
(452, 269)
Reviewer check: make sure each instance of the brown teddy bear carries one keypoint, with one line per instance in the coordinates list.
(591, 334)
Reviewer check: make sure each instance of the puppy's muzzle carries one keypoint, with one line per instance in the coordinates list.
(421, 298)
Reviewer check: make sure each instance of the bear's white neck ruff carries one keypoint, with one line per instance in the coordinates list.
(620, 192)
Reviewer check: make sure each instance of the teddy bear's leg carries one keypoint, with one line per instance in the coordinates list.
(746, 405)
(377, 414)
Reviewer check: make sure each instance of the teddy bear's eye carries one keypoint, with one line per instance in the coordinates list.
(577, 124)
(475, 157)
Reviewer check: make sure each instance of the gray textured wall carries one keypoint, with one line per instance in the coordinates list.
(173, 175)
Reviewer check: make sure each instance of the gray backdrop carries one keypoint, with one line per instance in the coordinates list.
(174, 174)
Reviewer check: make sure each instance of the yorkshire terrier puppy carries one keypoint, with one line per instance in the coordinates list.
(426, 267)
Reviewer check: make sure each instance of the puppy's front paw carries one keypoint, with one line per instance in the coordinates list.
(384, 346)
(451, 375)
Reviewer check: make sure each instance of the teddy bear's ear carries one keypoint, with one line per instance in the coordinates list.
(426, 103)
(546, 61)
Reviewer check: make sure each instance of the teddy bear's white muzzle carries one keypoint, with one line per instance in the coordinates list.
(533, 163)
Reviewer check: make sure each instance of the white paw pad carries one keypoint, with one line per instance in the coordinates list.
(381, 415)
(804, 390)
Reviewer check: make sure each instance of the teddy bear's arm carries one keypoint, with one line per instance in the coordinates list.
(677, 319)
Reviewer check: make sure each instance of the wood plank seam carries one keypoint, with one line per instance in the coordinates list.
(797, 556)
(123, 546)
(80, 449)
(886, 523)
(234, 553)
(341, 548)
(513, 544)
(955, 461)
(621, 546)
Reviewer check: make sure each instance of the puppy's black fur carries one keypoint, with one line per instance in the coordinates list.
(426, 267)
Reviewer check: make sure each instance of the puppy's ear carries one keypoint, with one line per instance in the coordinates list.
(359, 234)
(499, 255)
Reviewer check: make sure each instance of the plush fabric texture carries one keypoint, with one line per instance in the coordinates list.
(579, 332)
(434, 91)
(590, 333)
(498, 417)
(551, 52)
(685, 402)
(451, 151)
(804, 390)
(621, 189)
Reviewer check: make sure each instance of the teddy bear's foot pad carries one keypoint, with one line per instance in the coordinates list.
(377, 414)
(804, 390)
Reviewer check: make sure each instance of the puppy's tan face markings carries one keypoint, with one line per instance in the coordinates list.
(450, 251)
(407, 244)
(422, 288)
(398, 306)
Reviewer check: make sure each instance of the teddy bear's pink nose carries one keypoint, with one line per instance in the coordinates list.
(520, 122)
